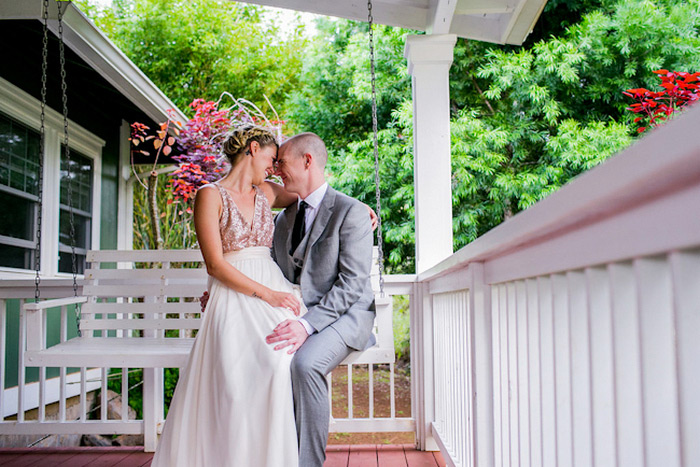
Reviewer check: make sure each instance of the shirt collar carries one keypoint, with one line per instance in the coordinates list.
(315, 198)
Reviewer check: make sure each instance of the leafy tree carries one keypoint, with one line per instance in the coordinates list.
(527, 120)
(352, 171)
(558, 107)
(202, 48)
(334, 96)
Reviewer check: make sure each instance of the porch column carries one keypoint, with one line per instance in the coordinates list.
(429, 60)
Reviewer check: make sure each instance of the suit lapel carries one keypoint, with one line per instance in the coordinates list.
(325, 210)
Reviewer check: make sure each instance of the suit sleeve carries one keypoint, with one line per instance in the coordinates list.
(354, 264)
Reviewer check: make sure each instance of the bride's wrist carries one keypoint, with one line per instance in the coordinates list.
(262, 294)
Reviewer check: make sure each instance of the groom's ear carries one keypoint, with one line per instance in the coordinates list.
(308, 159)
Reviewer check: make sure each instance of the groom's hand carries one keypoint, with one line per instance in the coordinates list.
(289, 332)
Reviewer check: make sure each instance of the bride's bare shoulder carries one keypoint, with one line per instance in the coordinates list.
(207, 195)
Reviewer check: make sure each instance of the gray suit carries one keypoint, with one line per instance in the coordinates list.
(335, 259)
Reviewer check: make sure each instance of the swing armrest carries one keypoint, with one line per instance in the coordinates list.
(53, 303)
(35, 322)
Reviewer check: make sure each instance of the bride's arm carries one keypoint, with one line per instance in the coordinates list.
(278, 196)
(207, 208)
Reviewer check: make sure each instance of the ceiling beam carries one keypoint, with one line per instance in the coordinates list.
(523, 21)
(485, 7)
(442, 12)
(389, 12)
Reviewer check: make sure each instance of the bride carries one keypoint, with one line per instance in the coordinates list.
(233, 403)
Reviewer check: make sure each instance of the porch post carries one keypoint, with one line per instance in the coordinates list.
(429, 60)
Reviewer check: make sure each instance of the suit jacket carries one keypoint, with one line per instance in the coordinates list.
(335, 257)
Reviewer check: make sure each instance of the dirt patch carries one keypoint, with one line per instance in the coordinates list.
(381, 398)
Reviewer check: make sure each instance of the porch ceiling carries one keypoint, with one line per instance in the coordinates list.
(95, 49)
(499, 21)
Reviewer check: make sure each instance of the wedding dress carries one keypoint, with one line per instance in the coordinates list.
(233, 402)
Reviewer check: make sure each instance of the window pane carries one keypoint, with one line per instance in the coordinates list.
(19, 155)
(19, 166)
(65, 263)
(17, 216)
(83, 230)
(81, 181)
(81, 172)
(16, 257)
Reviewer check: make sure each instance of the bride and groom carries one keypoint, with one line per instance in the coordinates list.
(254, 391)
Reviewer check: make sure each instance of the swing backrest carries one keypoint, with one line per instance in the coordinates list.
(158, 289)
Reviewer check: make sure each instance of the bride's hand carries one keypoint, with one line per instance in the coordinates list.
(283, 300)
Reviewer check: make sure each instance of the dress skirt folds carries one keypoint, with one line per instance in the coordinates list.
(233, 403)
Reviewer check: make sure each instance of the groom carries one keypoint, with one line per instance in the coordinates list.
(324, 243)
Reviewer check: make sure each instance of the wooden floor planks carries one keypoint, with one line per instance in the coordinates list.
(361, 455)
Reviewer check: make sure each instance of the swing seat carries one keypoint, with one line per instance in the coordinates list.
(146, 316)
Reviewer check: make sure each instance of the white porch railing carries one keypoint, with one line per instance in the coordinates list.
(24, 396)
(570, 335)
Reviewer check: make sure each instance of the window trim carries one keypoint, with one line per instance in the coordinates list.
(25, 109)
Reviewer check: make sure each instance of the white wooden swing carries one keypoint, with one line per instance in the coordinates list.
(143, 317)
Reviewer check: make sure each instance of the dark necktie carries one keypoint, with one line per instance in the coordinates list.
(299, 226)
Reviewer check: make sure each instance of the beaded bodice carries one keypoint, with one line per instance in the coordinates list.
(236, 232)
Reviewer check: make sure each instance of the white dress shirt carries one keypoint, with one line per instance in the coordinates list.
(314, 202)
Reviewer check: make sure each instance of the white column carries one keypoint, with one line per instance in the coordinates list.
(429, 60)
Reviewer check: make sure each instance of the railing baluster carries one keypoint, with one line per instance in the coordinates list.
(370, 371)
(83, 395)
(329, 380)
(103, 394)
(392, 391)
(125, 394)
(42, 393)
(350, 390)
(20, 366)
(62, 375)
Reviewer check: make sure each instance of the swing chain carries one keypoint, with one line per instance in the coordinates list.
(66, 147)
(380, 246)
(42, 135)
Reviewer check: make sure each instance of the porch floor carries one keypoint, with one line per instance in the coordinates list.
(360, 455)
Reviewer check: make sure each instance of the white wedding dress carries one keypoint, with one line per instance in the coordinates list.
(233, 402)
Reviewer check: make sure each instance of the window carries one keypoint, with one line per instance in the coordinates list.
(19, 190)
(81, 172)
(20, 145)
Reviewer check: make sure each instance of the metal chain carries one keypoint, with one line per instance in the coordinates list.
(378, 194)
(64, 96)
(42, 135)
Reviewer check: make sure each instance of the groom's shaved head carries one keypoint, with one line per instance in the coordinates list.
(310, 143)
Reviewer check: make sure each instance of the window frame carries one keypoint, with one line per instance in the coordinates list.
(25, 109)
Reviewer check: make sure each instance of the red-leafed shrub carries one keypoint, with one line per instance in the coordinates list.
(678, 90)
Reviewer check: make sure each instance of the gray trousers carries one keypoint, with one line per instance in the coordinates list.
(318, 356)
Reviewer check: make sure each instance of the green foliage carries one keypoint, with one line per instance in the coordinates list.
(498, 171)
(557, 107)
(176, 222)
(135, 377)
(114, 383)
(401, 322)
(352, 171)
(525, 119)
(334, 94)
(202, 48)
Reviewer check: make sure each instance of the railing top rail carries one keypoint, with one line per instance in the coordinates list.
(665, 160)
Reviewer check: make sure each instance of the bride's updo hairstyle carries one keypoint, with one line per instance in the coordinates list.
(237, 143)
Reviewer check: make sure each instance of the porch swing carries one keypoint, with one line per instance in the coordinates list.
(132, 317)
